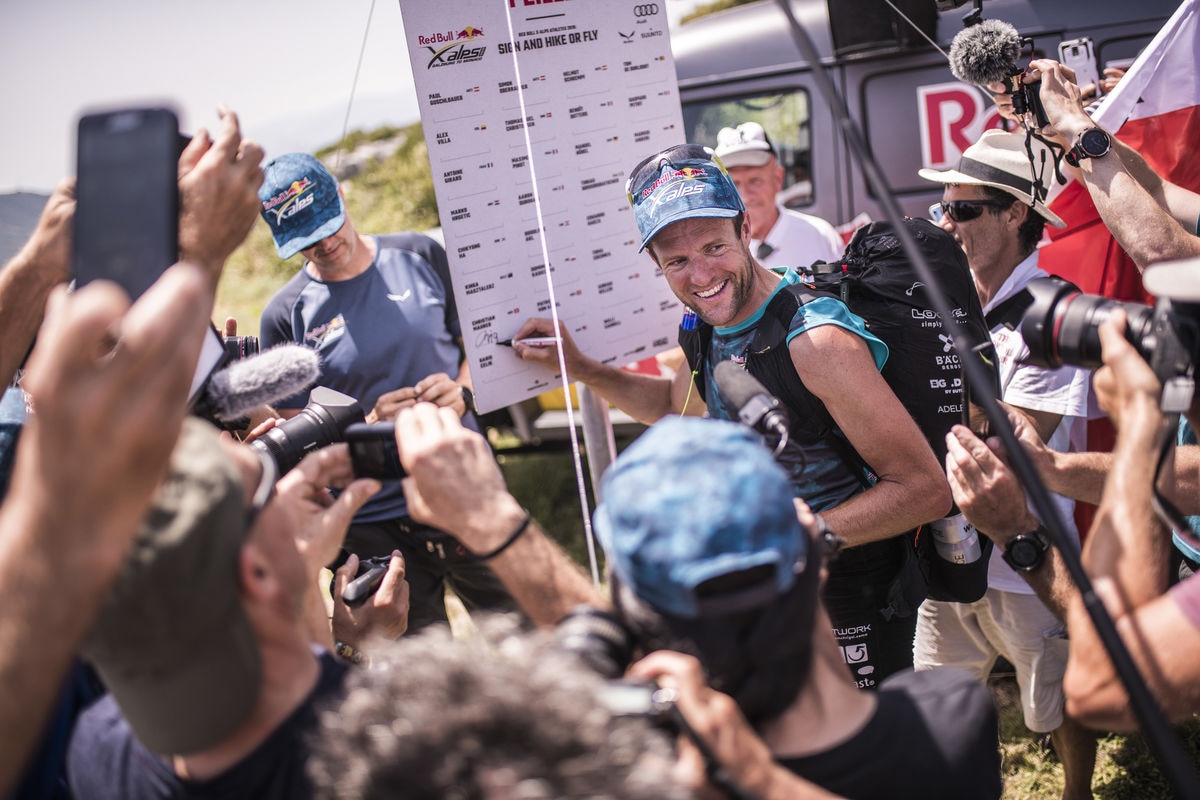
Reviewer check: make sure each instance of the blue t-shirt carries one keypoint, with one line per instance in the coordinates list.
(387, 328)
(820, 476)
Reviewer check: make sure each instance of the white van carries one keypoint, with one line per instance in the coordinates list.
(743, 64)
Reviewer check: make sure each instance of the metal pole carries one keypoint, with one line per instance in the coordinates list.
(598, 438)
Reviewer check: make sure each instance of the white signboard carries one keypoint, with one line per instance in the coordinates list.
(534, 112)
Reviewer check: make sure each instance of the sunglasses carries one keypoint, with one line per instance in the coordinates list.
(648, 169)
(964, 210)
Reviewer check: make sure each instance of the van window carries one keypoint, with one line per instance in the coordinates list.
(786, 119)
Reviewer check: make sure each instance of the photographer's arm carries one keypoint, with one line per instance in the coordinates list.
(992, 499)
(109, 383)
(456, 485)
(1126, 556)
(1152, 219)
(42, 263)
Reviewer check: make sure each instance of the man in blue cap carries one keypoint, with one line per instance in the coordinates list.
(697, 230)
(380, 310)
(709, 555)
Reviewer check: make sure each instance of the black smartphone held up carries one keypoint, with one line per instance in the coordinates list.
(371, 572)
(127, 197)
(373, 451)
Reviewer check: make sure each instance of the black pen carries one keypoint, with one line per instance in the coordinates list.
(533, 341)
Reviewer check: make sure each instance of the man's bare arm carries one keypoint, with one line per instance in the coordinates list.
(837, 367)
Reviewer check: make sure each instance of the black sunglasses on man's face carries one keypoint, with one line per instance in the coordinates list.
(967, 210)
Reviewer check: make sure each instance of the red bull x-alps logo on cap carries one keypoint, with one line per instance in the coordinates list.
(450, 48)
(291, 200)
(676, 184)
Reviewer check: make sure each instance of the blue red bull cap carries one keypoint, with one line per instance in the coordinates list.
(683, 182)
(300, 202)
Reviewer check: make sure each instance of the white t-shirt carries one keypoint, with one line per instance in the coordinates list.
(1060, 391)
(797, 240)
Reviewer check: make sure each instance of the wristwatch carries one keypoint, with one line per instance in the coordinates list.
(1090, 143)
(468, 397)
(1025, 551)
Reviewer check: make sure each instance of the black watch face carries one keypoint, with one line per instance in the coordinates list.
(1094, 143)
(1024, 553)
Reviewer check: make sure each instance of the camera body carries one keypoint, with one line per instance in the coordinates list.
(1026, 98)
(1062, 325)
(238, 347)
(373, 450)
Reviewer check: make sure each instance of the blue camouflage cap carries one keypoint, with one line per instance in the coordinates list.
(690, 506)
(300, 202)
(683, 182)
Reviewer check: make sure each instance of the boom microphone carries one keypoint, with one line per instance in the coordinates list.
(985, 53)
(756, 407)
(268, 377)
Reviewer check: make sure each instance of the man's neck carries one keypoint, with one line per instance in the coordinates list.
(764, 229)
(990, 277)
(287, 681)
(828, 711)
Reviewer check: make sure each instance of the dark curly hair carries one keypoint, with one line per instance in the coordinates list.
(505, 713)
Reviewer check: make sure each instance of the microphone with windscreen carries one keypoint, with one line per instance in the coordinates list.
(755, 406)
(266, 378)
(987, 53)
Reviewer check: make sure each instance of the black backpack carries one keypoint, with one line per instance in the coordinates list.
(877, 282)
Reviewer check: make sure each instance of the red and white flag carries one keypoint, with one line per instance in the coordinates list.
(1155, 109)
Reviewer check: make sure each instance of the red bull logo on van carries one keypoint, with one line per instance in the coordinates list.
(952, 117)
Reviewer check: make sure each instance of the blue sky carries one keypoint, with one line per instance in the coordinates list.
(286, 67)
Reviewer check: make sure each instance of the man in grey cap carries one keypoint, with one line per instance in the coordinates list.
(994, 205)
(779, 236)
(205, 640)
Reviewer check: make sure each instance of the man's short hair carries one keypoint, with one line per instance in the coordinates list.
(505, 713)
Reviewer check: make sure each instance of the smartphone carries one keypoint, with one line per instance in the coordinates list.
(1079, 55)
(127, 197)
(373, 451)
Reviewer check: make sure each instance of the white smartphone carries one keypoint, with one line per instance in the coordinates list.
(1079, 55)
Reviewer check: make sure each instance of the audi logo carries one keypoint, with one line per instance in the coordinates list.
(646, 10)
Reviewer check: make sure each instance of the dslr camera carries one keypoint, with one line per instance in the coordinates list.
(1062, 327)
(322, 422)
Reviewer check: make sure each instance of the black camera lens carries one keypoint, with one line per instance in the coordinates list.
(241, 346)
(598, 638)
(1062, 326)
(320, 423)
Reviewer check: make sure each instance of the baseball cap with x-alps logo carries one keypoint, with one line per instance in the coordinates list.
(683, 182)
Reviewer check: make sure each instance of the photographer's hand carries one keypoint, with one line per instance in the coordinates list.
(1063, 101)
(321, 521)
(384, 615)
(218, 194)
(1125, 384)
(455, 484)
(716, 718)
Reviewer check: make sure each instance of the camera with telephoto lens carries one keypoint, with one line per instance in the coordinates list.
(605, 645)
(1062, 327)
(320, 423)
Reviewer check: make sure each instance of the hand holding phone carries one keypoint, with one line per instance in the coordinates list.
(1079, 56)
(370, 574)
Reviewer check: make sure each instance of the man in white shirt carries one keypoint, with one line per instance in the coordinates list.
(779, 237)
(993, 204)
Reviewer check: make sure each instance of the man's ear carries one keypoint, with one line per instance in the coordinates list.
(256, 577)
(745, 231)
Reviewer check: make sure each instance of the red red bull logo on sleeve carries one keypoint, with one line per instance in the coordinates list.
(290, 200)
